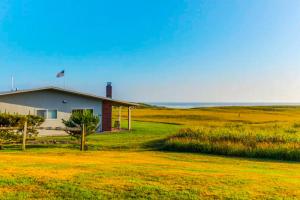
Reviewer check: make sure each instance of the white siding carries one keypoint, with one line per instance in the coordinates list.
(29, 103)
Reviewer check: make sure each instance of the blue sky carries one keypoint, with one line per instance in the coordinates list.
(153, 50)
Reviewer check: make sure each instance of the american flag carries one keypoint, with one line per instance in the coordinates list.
(60, 74)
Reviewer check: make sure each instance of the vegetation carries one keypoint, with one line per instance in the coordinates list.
(125, 168)
(220, 116)
(86, 122)
(53, 174)
(80, 118)
(33, 122)
(131, 165)
(143, 136)
(238, 141)
(262, 131)
(15, 120)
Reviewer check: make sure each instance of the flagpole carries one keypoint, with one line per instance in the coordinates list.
(12, 82)
(64, 79)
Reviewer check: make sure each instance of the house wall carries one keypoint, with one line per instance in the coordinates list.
(29, 103)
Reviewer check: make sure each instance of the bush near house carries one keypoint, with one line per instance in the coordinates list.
(33, 122)
(237, 141)
(15, 120)
(77, 119)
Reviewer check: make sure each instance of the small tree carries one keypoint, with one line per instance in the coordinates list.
(79, 119)
(8, 136)
(33, 123)
(15, 120)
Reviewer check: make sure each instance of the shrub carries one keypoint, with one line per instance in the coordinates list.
(15, 120)
(236, 142)
(9, 136)
(296, 125)
(77, 119)
(9, 120)
(33, 122)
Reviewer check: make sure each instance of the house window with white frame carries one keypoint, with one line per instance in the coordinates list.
(52, 114)
(47, 113)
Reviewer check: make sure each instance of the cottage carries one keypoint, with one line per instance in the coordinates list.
(55, 104)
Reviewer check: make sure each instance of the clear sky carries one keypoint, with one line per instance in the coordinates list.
(155, 50)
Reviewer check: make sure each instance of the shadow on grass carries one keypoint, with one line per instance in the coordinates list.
(171, 123)
(159, 145)
(155, 145)
(18, 147)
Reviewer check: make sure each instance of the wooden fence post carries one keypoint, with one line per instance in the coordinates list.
(84, 134)
(129, 118)
(24, 136)
(82, 138)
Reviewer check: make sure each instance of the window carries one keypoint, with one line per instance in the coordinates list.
(52, 114)
(47, 114)
(81, 110)
(42, 113)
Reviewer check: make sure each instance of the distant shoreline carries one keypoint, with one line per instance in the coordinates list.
(185, 105)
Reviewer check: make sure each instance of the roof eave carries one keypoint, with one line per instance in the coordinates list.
(116, 102)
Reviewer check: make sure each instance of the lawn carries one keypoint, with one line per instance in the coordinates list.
(143, 174)
(129, 164)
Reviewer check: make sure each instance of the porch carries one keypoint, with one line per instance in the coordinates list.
(116, 116)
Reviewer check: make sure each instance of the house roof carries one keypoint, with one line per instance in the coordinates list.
(116, 102)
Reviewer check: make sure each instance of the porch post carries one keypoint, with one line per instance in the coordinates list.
(129, 117)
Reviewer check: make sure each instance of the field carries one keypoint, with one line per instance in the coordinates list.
(237, 141)
(252, 116)
(259, 132)
(130, 164)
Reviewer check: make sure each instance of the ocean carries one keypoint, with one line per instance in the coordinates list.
(210, 104)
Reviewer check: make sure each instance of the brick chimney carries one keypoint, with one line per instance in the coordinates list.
(108, 90)
(107, 109)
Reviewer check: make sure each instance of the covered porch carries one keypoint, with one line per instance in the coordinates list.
(116, 116)
(121, 118)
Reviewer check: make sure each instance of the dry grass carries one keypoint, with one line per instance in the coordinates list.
(111, 174)
(238, 141)
(127, 167)
(254, 116)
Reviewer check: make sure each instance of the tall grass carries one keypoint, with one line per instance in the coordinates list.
(238, 141)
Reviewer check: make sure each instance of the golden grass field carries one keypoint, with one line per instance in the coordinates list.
(126, 165)
(219, 116)
(157, 175)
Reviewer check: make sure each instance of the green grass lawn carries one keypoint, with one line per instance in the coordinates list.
(127, 165)
(144, 136)
(143, 175)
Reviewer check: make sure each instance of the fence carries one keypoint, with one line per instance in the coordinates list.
(25, 128)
